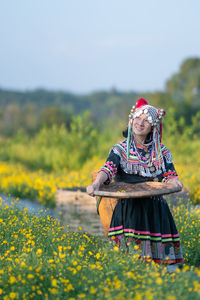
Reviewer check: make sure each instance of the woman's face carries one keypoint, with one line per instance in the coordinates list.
(141, 125)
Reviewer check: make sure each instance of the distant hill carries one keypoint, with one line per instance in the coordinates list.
(100, 103)
(43, 98)
(31, 110)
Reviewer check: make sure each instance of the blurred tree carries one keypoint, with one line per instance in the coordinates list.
(54, 115)
(159, 99)
(196, 125)
(1, 120)
(185, 85)
(184, 89)
(30, 118)
(12, 120)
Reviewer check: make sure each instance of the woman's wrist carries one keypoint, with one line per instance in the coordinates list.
(96, 185)
(174, 180)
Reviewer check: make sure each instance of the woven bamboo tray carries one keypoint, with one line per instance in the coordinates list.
(136, 190)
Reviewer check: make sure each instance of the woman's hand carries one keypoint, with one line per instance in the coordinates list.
(91, 188)
(175, 181)
(101, 178)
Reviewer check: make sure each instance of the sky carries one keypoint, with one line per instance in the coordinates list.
(82, 46)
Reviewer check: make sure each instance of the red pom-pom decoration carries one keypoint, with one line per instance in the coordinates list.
(141, 102)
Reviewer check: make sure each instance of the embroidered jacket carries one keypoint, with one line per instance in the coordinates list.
(135, 168)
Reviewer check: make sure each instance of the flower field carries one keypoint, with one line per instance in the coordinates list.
(189, 175)
(16, 180)
(41, 260)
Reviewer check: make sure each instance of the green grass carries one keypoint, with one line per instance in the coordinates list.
(41, 260)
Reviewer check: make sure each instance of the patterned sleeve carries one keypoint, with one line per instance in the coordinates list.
(169, 166)
(111, 165)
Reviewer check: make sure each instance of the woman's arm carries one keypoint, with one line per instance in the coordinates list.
(101, 178)
(170, 176)
(106, 173)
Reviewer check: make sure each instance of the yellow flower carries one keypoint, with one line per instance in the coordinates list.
(138, 296)
(92, 290)
(130, 274)
(196, 286)
(81, 296)
(116, 248)
(98, 255)
(39, 292)
(62, 255)
(92, 266)
(54, 291)
(39, 252)
(12, 279)
(13, 295)
(54, 282)
(69, 287)
(117, 284)
(23, 264)
(60, 248)
(159, 281)
(197, 271)
(38, 269)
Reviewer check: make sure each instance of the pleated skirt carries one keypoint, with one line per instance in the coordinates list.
(146, 227)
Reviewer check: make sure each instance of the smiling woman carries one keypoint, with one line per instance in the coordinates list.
(141, 128)
(142, 225)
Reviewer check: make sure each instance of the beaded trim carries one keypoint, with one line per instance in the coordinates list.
(136, 164)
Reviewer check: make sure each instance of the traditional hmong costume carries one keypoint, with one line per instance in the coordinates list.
(145, 225)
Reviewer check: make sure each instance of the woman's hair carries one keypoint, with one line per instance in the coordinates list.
(148, 138)
(125, 132)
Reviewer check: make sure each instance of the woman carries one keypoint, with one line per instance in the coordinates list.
(143, 225)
